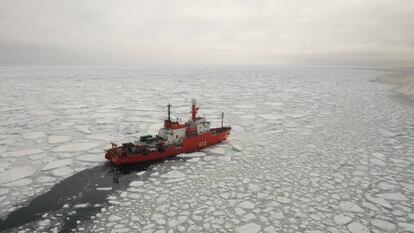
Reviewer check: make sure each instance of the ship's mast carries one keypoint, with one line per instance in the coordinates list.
(169, 112)
(193, 109)
(222, 118)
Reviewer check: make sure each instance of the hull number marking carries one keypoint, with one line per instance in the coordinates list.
(202, 143)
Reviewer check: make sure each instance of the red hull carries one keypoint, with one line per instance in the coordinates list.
(190, 144)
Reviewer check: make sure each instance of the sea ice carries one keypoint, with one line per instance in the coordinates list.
(409, 227)
(76, 146)
(217, 150)
(62, 171)
(193, 160)
(191, 155)
(91, 157)
(342, 219)
(3, 166)
(83, 128)
(381, 202)
(386, 133)
(57, 163)
(393, 196)
(58, 139)
(383, 225)
(248, 228)
(226, 158)
(45, 179)
(4, 191)
(276, 104)
(140, 173)
(283, 200)
(25, 152)
(99, 136)
(356, 227)
(80, 206)
(33, 135)
(408, 186)
(173, 174)
(248, 217)
(310, 161)
(350, 206)
(21, 182)
(158, 218)
(236, 148)
(16, 173)
(174, 180)
(272, 116)
(244, 106)
(378, 162)
(247, 205)
(114, 218)
(136, 183)
(386, 186)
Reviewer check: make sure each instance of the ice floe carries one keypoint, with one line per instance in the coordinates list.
(21, 182)
(16, 173)
(383, 225)
(342, 219)
(248, 228)
(76, 146)
(24, 152)
(62, 171)
(53, 139)
(247, 205)
(393, 196)
(57, 163)
(356, 227)
(33, 135)
(136, 183)
(350, 206)
(89, 157)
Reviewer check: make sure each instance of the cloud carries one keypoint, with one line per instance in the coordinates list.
(206, 32)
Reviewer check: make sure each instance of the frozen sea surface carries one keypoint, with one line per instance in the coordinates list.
(313, 149)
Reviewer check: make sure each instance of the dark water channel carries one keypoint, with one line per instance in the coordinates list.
(80, 188)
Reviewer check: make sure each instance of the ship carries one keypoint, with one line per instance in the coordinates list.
(172, 139)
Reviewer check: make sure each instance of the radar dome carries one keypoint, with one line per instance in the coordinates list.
(193, 101)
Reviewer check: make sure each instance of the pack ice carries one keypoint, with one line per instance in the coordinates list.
(313, 149)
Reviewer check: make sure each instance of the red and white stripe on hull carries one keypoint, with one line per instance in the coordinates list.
(190, 144)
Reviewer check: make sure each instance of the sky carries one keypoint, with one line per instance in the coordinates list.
(134, 32)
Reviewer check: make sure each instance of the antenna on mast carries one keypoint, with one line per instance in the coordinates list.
(222, 118)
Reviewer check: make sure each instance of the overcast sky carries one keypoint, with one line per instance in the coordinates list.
(354, 32)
